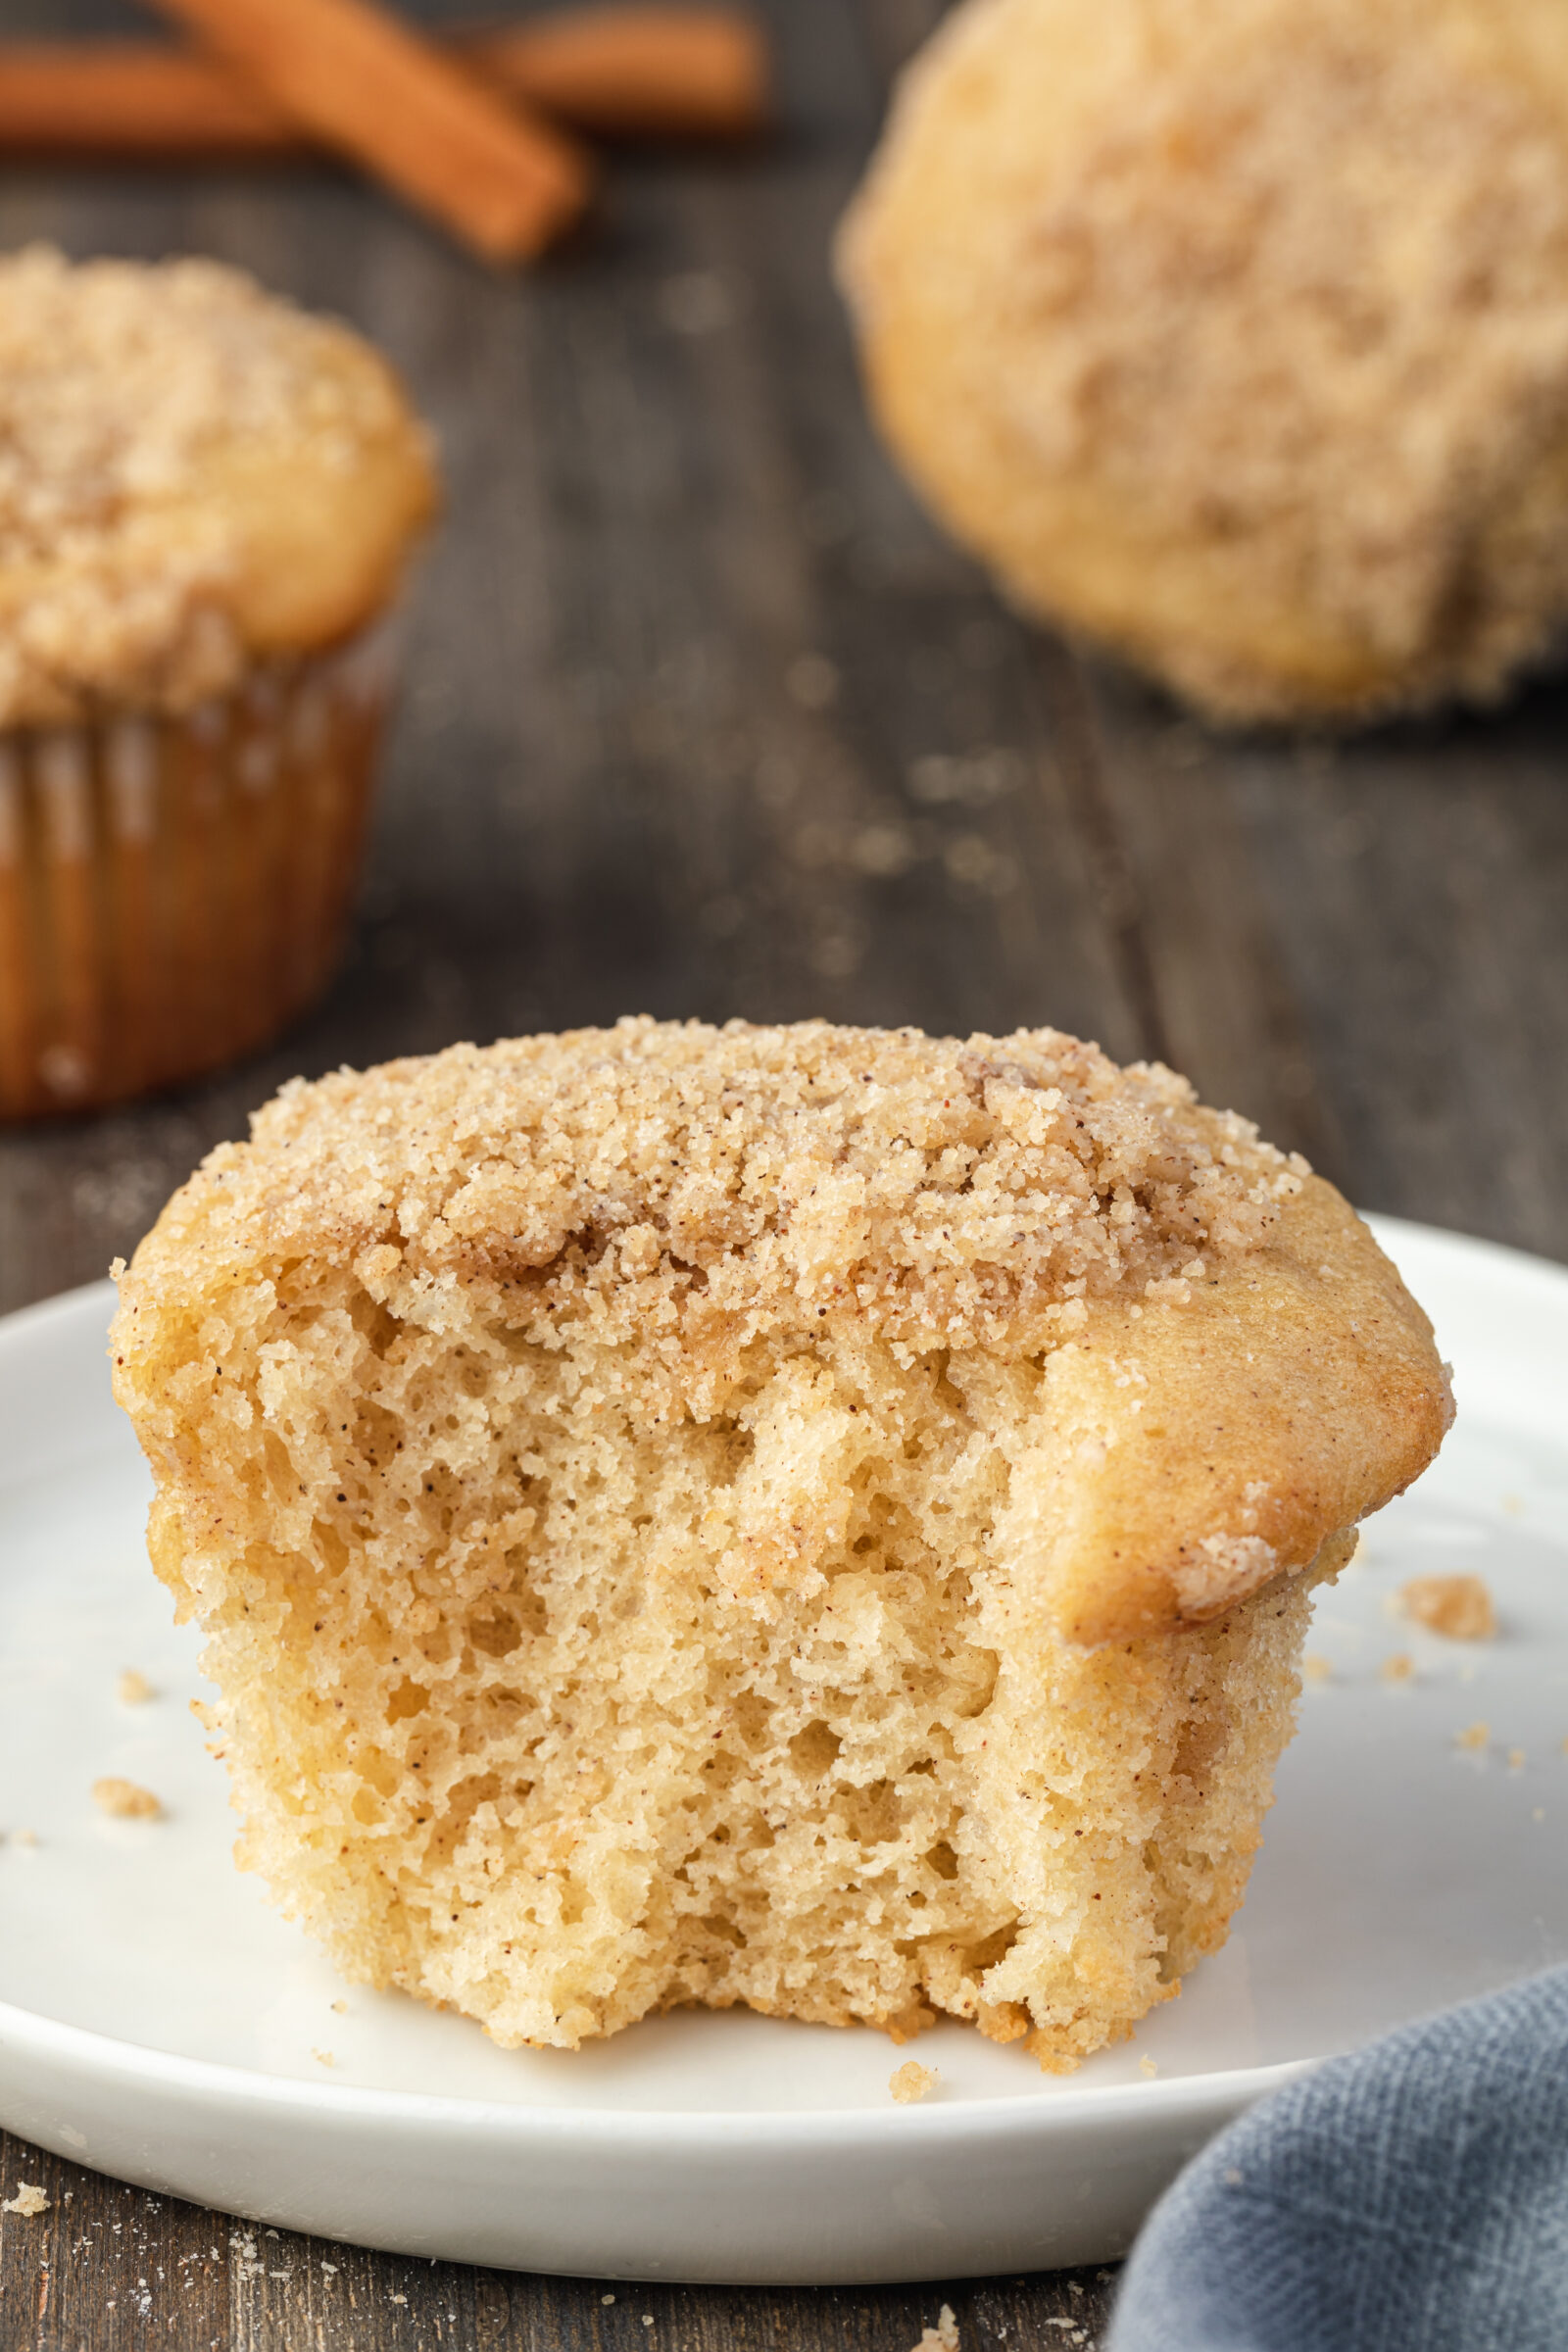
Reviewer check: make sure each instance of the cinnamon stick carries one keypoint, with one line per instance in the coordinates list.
(363, 83)
(127, 98)
(632, 71)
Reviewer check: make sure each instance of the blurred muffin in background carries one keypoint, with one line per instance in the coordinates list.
(208, 502)
(1235, 332)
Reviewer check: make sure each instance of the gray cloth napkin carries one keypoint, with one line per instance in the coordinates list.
(1410, 2197)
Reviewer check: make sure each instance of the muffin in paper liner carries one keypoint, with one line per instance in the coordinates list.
(173, 889)
(209, 502)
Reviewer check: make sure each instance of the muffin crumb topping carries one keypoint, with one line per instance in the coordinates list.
(665, 1175)
(124, 388)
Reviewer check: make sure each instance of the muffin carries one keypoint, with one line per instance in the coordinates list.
(1231, 333)
(208, 501)
(815, 1518)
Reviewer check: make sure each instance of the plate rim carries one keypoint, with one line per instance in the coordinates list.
(137, 2061)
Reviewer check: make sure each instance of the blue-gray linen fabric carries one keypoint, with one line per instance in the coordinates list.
(1409, 2197)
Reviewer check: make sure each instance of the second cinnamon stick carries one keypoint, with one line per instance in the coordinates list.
(621, 73)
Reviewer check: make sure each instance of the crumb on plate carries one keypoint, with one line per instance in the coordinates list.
(1148, 2067)
(1476, 1737)
(1458, 1607)
(911, 2081)
(133, 1689)
(1399, 1668)
(1316, 1668)
(943, 2337)
(127, 1801)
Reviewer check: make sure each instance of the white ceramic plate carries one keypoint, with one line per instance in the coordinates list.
(159, 2021)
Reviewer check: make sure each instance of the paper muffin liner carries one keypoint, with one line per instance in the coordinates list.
(173, 891)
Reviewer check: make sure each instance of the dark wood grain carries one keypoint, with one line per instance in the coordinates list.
(111, 2269)
(703, 717)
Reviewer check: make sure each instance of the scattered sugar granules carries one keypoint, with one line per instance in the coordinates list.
(1476, 1737)
(1401, 1668)
(912, 2082)
(133, 1689)
(943, 2337)
(1458, 1607)
(125, 1800)
(27, 2201)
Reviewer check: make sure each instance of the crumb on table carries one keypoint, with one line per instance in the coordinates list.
(28, 2200)
(911, 2081)
(1458, 1607)
(1475, 1738)
(133, 1689)
(1399, 1668)
(943, 2337)
(127, 1801)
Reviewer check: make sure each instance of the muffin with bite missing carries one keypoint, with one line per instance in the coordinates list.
(816, 1518)
(208, 505)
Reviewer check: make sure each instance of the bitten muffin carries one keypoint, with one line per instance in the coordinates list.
(818, 1518)
(1230, 332)
(208, 501)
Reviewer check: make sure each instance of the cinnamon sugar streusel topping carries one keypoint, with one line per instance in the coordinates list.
(124, 388)
(682, 1179)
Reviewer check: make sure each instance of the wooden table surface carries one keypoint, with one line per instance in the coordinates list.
(703, 717)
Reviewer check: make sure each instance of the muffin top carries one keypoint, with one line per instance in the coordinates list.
(1213, 1368)
(192, 473)
(943, 1192)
